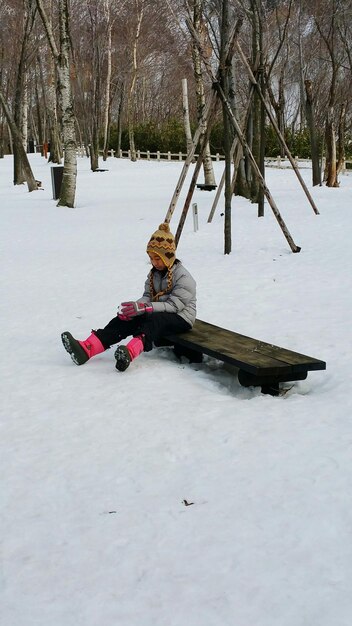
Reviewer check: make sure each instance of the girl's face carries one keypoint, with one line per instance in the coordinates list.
(156, 261)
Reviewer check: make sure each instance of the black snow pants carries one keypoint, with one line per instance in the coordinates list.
(154, 326)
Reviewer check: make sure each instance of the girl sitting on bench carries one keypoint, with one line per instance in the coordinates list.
(168, 306)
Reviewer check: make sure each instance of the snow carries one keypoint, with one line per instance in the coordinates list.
(96, 464)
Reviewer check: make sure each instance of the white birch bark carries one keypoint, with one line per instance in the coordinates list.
(20, 101)
(62, 60)
(108, 82)
(185, 112)
(209, 178)
(130, 106)
(2, 136)
(68, 189)
(53, 132)
(24, 117)
(18, 141)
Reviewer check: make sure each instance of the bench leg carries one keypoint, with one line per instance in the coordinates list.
(269, 384)
(192, 355)
(272, 390)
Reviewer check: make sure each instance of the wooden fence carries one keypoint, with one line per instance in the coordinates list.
(279, 162)
(158, 156)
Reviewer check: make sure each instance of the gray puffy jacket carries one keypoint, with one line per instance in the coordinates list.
(182, 297)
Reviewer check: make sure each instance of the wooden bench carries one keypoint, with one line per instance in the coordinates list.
(260, 364)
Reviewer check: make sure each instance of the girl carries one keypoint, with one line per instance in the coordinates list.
(168, 306)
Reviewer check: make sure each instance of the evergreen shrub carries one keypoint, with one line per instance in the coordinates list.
(170, 136)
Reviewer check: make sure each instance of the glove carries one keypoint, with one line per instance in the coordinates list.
(124, 318)
(131, 309)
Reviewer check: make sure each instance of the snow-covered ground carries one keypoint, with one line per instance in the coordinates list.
(96, 464)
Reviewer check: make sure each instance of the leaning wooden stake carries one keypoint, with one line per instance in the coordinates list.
(209, 113)
(275, 126)
(195, 175)
(241, 137)
(235, 146)
(256, 169)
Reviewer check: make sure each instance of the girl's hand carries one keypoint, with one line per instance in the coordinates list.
(124, 318)
(131, 309)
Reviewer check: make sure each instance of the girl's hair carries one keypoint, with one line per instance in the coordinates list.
(155, 296)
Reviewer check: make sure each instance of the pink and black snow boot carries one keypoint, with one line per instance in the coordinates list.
(81, 351)
(125, 354)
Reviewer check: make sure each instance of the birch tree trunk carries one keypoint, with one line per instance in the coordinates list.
(97, 95)
(2, 120)
(24, 117)
(53, 131)
(68, 187)
(17, 141)
(341, 138)
(330, 174)
(278, 103)
(41, 110)
(119, 118)
(2, 138)
(314, 148)
(330, 143)
(185, 114)
(94, 131)
(139, 4)
(224, 71)
(20, 102)
(254, 138)
(18, 173)
(200, 28)
(247, 182)
(107, 104)
(302, 101)
(62, 60)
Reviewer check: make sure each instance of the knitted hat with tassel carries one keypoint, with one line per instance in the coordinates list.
(162, 243)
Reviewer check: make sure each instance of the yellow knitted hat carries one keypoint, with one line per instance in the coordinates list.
(162, 243)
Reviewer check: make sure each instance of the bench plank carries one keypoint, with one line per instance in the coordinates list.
(256, 357)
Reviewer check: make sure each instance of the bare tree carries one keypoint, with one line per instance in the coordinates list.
(316, 170)
(330, 131)
(20, 99)
(185, 113)
(201, 30)
(108, 99)
(225, 71)
(18, 143)
(281, 55)
(51, 136)
(139, 5)
(61, 56)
